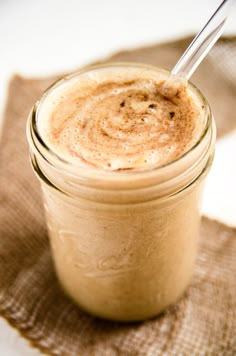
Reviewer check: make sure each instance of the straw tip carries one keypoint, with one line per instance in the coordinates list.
(173, 85)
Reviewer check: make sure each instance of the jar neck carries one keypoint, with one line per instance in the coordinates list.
(122, 186)
(125, 187)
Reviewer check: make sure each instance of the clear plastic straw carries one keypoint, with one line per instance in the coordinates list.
(202, 43)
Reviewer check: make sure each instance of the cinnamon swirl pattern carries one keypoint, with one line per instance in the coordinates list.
(122, 123)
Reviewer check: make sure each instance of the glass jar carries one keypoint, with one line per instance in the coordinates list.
(123, 243)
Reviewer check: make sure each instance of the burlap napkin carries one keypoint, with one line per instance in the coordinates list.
(203, 322)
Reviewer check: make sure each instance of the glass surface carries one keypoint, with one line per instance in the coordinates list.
(124, 245)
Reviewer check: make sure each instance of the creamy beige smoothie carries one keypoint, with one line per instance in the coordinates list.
(122, 165)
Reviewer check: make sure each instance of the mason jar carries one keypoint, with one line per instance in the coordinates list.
(123, 243)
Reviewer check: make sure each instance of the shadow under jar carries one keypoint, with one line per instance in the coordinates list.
(123, 242)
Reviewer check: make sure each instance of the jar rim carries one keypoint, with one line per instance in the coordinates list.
(38, 143)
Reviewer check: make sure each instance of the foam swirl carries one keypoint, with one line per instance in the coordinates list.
(123, 124)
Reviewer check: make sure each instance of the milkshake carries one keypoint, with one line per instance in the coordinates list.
(121, 165)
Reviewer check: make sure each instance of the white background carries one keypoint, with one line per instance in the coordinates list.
(44, 37)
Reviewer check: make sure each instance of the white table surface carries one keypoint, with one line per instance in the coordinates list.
(46, 37)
